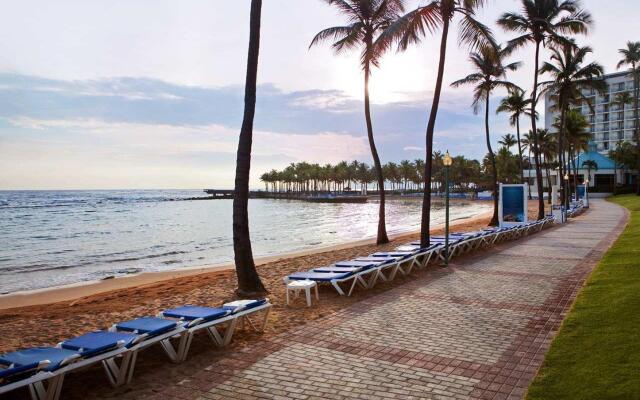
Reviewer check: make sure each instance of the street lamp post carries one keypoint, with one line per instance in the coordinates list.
(586, 193)
(447, 161)
(567, 200)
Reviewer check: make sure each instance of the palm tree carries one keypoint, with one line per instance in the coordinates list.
(367, 18)
(508, 141)
(631, 58)
(578, 137)
(490, 73)
(569, 79)
(529, 145)
(547, 143)
(411, 29)
(515, 104)
(543, 22)
(248, 280)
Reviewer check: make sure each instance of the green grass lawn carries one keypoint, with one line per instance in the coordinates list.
(596, 354)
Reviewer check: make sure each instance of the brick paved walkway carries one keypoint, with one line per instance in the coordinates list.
(477, 330)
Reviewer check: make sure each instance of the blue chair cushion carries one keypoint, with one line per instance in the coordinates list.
(191, 313)
(98, 342)
(364, 263)
(152, 326)
(337, 269)
(35, 355)
(15, 370)
(319, 276)
(244, 305)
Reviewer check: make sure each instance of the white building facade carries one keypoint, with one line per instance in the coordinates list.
(610, 123)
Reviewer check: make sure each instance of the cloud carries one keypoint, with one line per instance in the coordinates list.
(147, 124)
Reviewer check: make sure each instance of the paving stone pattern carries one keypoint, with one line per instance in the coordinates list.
(476, 330)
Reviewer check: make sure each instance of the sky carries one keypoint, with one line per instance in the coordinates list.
(137, 94)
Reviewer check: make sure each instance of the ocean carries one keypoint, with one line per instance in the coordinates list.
(53, 238)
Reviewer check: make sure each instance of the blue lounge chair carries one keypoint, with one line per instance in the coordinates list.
(66, 357)
(211, 319)
(149, 331)
(406, 260)
(386, 267)
(423, 255)
(37, 369)
(193, 319)
(334, 278)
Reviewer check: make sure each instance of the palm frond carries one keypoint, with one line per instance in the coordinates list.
(335, 34)
(474, 33)
(411, 28)
(473, 78)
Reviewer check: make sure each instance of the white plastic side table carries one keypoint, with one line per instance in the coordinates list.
(298, 286)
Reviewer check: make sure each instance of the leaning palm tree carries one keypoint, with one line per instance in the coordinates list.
(411, 29)
(515, 104)
(490, 74)
(508, 141)
(631, 59)
(543, 22)
(367, 19)
(569, 78)
(248, 280)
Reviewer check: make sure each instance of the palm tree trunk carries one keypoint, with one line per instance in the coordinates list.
(529, 186)
(492, 158)
(382, 229)
(428, 164)
(248, 279)
(519, 149)
(575, 173)
(536, 153)
(561, 149)
(636, 122)
(548, 184)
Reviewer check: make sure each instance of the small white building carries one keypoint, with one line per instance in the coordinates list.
(602, 177)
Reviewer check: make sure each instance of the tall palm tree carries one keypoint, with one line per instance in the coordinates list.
(569, 79)
(515, 104)
(411, 29)
(543, 22)
(528, 145)
(508, 141)
(578, 137)
(490, 74)
(547, 143)
(367, 19)
(248, 280)
(631, 59)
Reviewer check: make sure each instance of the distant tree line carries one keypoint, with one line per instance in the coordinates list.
(406, 176)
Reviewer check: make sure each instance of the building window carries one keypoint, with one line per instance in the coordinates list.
(606, 145)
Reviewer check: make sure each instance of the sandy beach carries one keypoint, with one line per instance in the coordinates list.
(48, 316)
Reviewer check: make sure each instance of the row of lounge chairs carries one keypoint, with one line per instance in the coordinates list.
(575, 208)
(43, 369)
(345, 276)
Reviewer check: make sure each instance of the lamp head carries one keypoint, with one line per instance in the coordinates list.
(447, 160)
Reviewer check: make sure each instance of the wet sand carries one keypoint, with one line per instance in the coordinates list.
(46, 324)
